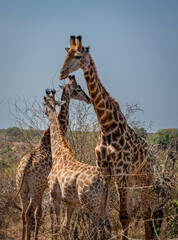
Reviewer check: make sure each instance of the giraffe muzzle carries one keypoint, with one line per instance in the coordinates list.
(64, 74)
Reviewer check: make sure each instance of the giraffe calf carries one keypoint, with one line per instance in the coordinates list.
(74, 182)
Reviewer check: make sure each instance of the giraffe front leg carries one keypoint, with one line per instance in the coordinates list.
(24, 203)
(123, 185)
(55, 201)
(29, 214)
(145, 182)
(37, 219)
(66, 226)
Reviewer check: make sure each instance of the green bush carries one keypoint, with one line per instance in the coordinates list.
(164, 136)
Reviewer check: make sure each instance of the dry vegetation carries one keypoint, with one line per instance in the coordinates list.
(82, 137)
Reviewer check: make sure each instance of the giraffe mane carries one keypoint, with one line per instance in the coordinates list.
(96, 72)
(44, 134)
(63, 91)
(65, 144)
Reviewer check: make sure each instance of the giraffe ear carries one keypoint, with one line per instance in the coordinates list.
(86, 49)
(63, 102)
(62, 87)
(57, 103)
(67, 49)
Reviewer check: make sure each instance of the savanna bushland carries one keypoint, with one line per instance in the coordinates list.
(82, 137)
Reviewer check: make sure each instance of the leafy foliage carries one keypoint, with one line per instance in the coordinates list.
(164, 136)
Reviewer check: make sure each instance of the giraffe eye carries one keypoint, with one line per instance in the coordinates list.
(78, 57)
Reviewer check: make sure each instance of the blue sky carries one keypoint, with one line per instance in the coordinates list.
(133, 43)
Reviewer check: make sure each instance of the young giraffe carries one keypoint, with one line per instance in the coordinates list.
(74, 182)
(120, 152)
(34, 167)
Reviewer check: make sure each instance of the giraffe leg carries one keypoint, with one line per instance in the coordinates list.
(37, 219)
(24, 225)
(123, 184)
(52, 220)
(55, 214)
(145, 183)
(24, 204)
(101, 228)
(66, 226)
(30, 218)
(96, 227)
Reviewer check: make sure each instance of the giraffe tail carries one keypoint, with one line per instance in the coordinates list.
(21, 183)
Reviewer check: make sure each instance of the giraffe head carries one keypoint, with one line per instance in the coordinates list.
(50, 102)
(75, 91)
(77, 57)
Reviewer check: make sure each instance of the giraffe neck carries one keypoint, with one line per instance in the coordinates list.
(107, 109)
(63, 117)
(59, 146)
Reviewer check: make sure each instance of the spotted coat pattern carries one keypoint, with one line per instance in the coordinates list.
(120, 152)
(34, 167)
(74, 182)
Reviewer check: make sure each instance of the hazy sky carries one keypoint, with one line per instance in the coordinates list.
(134, 44)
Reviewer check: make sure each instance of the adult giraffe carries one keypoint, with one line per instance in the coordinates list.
(34, 167)
(120, 152)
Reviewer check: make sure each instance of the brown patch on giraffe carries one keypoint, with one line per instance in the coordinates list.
(109, 116)
(110, 127)
(98, 154)
(87, 79)
(116, 145)
(127, 136)
(107, 104)
(92, 87)
(97, 100)
(121, 141)
(92, 79)
(117, 171)
(135, 149)
(112, 155)
(135, 158)
(100, 112)
(146, 152)
(120, 163)
(103, 152)
(121, 117)
(83, 176)
(104, 119)
(87, 182)
(115, 114)
(108, 138)
(119, 155)
(121, 128)
(127, 146)
(101, 105)
(116, 135)
(105, 164)
(94, 94)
